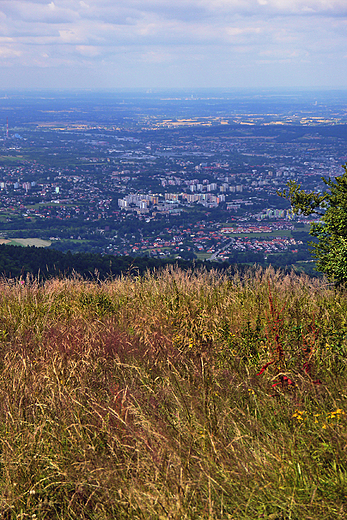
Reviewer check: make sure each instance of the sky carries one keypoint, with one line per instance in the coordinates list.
(111, 44)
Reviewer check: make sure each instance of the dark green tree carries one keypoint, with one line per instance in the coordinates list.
(330, 248)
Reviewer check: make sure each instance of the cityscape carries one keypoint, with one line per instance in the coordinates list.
(138, 179)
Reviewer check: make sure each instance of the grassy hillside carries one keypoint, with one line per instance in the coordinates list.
(173, 395)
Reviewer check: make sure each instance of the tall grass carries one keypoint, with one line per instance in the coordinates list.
(174, 395)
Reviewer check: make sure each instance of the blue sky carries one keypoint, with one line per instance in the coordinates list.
(173, 43)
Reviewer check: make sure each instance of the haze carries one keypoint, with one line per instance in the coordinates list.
(183, 44)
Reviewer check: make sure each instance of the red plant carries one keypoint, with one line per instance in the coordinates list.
(284, 380)
(265, 367)
(274, 333)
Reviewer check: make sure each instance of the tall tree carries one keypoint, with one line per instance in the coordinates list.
(330, 249)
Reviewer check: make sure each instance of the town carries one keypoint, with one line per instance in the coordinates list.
(203, 188)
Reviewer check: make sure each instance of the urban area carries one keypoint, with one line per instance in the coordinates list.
(134, 180)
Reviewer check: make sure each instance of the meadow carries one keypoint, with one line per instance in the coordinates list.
(173, 395)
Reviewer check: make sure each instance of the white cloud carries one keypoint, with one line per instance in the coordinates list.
(136, 35)
(275, 7)
(6, 52)
(37, 12)
(69, 36)
(88, 50)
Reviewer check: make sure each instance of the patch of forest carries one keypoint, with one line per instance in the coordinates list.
(47, 263)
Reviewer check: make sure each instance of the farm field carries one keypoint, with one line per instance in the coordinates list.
(25, 242)
(270, 234)
(37, 242)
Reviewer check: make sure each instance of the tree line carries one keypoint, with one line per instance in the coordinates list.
(44, 263)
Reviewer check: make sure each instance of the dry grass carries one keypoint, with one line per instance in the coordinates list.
(139, 398)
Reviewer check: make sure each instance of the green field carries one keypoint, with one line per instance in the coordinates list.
(10, 159)
(203, 256)
(25, 242)
(271, 234)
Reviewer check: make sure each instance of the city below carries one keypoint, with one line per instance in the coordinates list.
(188, 177)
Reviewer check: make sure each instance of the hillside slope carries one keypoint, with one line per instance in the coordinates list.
(173, 395)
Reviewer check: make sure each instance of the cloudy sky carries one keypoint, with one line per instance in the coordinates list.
(173, 43)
